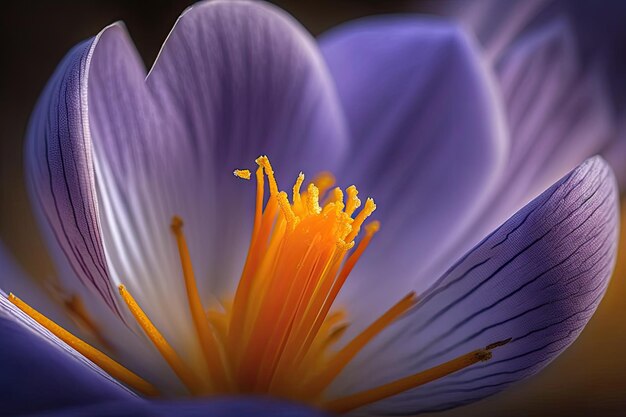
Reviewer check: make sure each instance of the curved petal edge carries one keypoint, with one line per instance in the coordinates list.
(537, 279)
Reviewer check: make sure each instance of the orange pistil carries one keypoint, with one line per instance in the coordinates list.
(277, 334)
(293, 269)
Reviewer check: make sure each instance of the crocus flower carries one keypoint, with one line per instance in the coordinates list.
(132, 178)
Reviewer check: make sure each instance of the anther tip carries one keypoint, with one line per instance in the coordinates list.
(177, 223)
(413, 297)
(242, 173)
(372, 227)
(325, 180)
(484, 355)
(410, 298)
(498, 344)
(264, 161)
(121, 288)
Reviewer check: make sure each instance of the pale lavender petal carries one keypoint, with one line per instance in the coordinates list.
(233, 81)
(60, 169)
(558, 115)
(593, 34)
(601, 36)
(60, 172)
(427, 143)
(537, 279)
(496, 23)
(558, 110)
(246, 79)
(134, 144)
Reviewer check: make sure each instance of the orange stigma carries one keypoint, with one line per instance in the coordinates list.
(278, 333)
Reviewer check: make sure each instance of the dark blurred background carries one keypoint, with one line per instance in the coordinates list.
(588, 380)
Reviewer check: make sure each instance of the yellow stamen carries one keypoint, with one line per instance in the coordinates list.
(338, 284)
(297, 198)
(324, 181)
(360, 218)
(269, 171)
(310, 322)
(268, 320)
(285, 207)
(345, 355)
(245, 283)
(306, 313)
(276, 335)
(349, 403)
(353, 201)
(242, 296)
(313, 199)
(209, 346)
(242, 173)
(292, 299)
(186, 375)
(113, 368)
(337, 198)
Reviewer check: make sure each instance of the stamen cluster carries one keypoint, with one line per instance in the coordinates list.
(280, 327)
(277, 334)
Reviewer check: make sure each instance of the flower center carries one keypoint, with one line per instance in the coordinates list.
(278, 334)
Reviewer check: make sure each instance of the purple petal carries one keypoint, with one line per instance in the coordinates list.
(40, 372)
(558, 111)
(246, 79)
(558, 114)
(601, 36)
(114, 156)
(222, 407)
(60, 170)
(591, 48)
(34, 361)
(537, 279)
(496, 23)
(427, 142)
